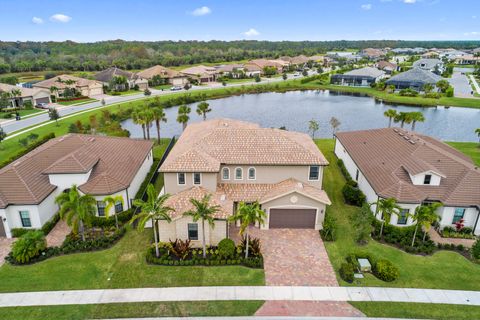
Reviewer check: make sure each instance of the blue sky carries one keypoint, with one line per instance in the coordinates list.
(87, 20)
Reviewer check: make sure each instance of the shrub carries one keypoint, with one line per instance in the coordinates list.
(476, 249)
(385, 270)
(29, 246)
(18, 232)
(50, 224)
(449, 92)
(346, 272)
(103, 222)
(353, 195)
(328, 232)
(180, 248)
(408, 93)
(226, 248)
(343, 169)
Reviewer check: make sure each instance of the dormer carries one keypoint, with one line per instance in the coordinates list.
(423, 173)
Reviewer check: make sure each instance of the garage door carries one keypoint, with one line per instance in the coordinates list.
(42, 100)
(292, 218)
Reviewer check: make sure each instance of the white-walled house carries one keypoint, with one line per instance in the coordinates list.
(414, 169)
(100, 166)
(236, 161)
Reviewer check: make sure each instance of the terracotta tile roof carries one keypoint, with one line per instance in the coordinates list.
(59, 82)
(180, 202)
(200, 70)
(385, 156)
(248, 192)
(114, 163)
(205, 145)
(160, 71)
(25, 92)
(107, 75)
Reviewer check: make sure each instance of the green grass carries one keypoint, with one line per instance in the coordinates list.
(126, 93)
(418, 310)
(471, 149)
(163, 87)
(122, 266)
(22, 112)
(79, 101)
(158, 151)
(133, 310)
(415, 271)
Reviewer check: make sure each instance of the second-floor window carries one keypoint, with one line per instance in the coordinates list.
(427, 179)
(314, 173)
(181, 177)
(238, 174)
(226, 174)
(252, 173)
(197, 178)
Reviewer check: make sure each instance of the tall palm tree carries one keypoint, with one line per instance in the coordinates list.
(137, 118)
(425, 216)
(153, 209)
(77, 209)
(387, 207)
(16, 93)
(205, 212)
(203, 109)
(148, 119)
(390, 114)
(403, 117)
(183, 115)
(111, 201)
(416, 116)
(248, 214)
(158, 116)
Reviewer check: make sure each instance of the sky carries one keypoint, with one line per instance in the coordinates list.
(150, 20)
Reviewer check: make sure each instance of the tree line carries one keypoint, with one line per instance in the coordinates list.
(71, 56)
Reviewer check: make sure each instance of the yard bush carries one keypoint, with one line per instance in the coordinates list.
(346, 272)
(385, 270)
(476, 249)
(343, 170)
(103, 222)
(408, 93)
(18, 232)
(352, 194)
(226, 248)
(28, 246)
(328, 232)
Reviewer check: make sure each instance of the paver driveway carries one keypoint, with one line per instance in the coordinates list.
(5, 245)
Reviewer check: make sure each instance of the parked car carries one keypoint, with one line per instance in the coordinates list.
(42, 105)
(175, 88)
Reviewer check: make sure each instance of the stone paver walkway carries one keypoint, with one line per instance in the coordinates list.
(284, 293)
(5, 245)
(56, 237)
(456, 241)
(308, 309)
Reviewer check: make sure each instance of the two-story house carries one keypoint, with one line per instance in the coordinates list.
(236, 161)
(414, 169)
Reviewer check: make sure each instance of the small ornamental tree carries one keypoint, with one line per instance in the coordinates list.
(53, 115)
(30, 245)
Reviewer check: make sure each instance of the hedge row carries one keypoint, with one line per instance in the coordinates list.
(29, 148)
(103, 222)
(351, 192)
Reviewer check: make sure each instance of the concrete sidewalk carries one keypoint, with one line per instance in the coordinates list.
(272, 293)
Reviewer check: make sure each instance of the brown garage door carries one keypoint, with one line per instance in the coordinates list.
(292, 218)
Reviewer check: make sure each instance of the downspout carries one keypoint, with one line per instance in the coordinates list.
(476, 221)
(128, 198)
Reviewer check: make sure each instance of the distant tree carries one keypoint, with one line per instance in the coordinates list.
(158, 116)
(257, 78)
(427, 87)
(403, 117)
(443, 85)
(203, 109)
(4, 99)
(335, 123)
(416, 116)
(147, 92)
(3, 135)
(313, 127)
(304, 72)
(93, 122)
(477, 131)
(284, 76)
(53, 115)
(183, 115)
(390, 114)
(137, 118)
(103, 102)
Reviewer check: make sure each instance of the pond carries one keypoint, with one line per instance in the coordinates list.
(294, 109)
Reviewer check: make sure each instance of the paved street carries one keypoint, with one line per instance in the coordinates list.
(460, 83)
(264, 318)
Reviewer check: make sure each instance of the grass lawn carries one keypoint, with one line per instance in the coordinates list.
(471, 149)
(417, 310)
(126, 93)
(415, 271)
(79, 101)
(133, 310)
(22, 112)
(158, 151)
(163, 87)
(122, 266)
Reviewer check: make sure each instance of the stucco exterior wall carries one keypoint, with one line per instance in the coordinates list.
(420, 178)
(208, 181)
(470, 217)
(64, 181)
(179, 229)
(138, 179)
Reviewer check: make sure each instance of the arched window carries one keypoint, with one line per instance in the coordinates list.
(226, 174)
(238, 174)
(252, 173)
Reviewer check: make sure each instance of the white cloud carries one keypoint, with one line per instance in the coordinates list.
(367, 6)
(201, 11)
(473, 33)
(37, 20)
(409, 1)
(251, 33)
(474, 17)
(60, 18)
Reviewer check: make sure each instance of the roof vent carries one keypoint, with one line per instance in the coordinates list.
(412, 142)
(406, 138)
(91, 139)
(396, 130)
(225, 124)
(300, 185)
(223, 197)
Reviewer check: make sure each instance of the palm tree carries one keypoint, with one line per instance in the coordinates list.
(158, 116)
(335, 123)
(403, 117)
(205, 212)
(76, 209)
(425, 216)
(477, 131)
(203, 109)
(137, 118)
(153, 209)
(387, 207)
(313, 127)
(248, 214)
(416, 116)
(148, 119)
(183, 115)
(111, 201)
(390, 114)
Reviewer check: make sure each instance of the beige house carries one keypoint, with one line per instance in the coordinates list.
(236, 161)
(35, 95)
(260, 64)
(85, 87)
(201, 73)
(108, 75)
(174, 77)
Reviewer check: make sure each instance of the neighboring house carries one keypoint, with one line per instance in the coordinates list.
(433, 65)
(372, 53)
(430, 55)
(362, 77)
(468, 59)
(408, 50)
(108, 76)
(388, 67)
(260, 64)
(414, 169)
(452, 54)
(233, 70)
(173, 77)
(238, 161)
(84, 87)
(299, 61)
(202, 74)
(252, 70)
(346, 55)
(98, 165)
(35, 95)
(415, 79)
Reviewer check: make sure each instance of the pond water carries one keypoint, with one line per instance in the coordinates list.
(294, 109)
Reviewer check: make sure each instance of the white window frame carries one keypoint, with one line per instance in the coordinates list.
(254, 173)
(223, 176)
(193, 178)
(184, 178)
(241, 173)
(310, 168)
